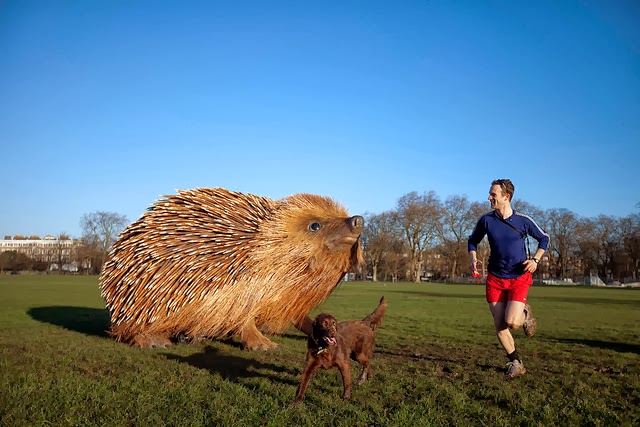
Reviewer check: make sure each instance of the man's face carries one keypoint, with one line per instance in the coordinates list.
(497, 198)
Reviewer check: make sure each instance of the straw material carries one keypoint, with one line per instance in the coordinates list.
(211, 262)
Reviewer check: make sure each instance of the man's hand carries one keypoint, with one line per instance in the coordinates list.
(474, 267)
(530, 265)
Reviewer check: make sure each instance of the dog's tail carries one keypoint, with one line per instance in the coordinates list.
(375, 318)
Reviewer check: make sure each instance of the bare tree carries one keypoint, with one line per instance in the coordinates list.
(561, 225)
(458, 218)
(100, 230)
(630, 230)
(587, 246)
(4, 260)
(87, 255)
(394, 261)
(609, 233)
(378, 237)
(599, 243)
(418, 217)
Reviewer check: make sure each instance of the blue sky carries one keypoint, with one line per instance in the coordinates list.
(107, 105)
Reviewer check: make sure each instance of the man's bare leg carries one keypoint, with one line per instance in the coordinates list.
(514, 315)
(498, 310)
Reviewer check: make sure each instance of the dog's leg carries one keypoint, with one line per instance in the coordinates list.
(365, 374)
(308, 372)
(345, 370)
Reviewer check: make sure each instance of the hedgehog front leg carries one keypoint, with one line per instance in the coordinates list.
(252, 338)
(151, 341)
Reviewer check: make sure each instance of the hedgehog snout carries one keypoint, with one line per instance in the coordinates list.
(356, 223)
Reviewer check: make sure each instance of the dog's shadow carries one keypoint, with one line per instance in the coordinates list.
(235, 368)
(89, 321)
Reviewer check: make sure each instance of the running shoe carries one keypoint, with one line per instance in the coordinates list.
(515, 369)
(530, 324)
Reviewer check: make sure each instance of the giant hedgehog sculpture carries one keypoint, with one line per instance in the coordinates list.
(213, 263)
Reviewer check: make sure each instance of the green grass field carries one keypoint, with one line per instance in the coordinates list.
(437, 363)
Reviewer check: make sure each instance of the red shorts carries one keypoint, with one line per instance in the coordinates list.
(503, 290)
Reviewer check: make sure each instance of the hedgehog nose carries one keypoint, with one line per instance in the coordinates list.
(356, 223)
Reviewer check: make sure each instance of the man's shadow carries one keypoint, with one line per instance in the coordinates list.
(619, 347)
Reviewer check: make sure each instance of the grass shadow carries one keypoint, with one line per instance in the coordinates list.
(234, 368)
(407, 355)
(434, 294)
(619, 347)
(580, 300)
(90, 321)
(295, 336)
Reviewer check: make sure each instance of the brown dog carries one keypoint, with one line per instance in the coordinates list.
(331, 344)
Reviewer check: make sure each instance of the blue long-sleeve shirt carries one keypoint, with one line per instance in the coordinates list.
(507, 245)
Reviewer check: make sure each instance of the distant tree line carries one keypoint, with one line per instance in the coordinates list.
(425, 238)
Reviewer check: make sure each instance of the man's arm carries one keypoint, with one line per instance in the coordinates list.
(540, 235)
(531, 265)
(472, 246)
(474, 263)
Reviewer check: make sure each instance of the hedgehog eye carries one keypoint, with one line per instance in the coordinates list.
(315, 226)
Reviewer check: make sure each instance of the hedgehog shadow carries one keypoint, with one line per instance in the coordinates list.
(235, 368)
(89, 321)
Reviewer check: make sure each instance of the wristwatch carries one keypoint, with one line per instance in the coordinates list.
(536, 260)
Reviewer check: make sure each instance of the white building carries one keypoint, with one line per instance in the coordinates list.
(49, 249)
